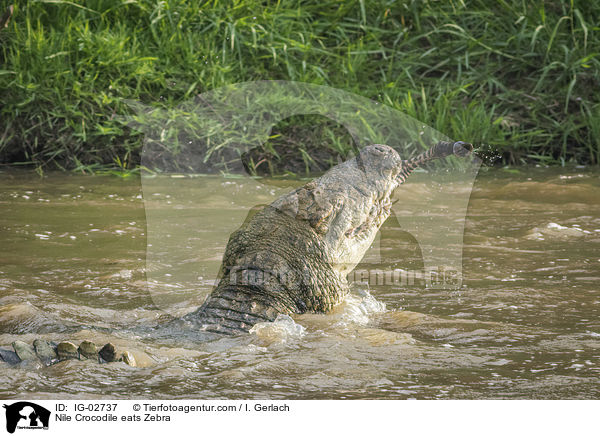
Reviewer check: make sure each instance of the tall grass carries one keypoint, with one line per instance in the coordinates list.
(521, 77)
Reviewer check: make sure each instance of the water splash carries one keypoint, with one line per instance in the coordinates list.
(281, 330)
(358, 308)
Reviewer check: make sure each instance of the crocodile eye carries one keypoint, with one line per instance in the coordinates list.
(379, 149)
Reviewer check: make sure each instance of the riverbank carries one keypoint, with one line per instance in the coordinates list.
(515, 78)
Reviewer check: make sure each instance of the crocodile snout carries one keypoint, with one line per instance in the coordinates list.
(462, 149)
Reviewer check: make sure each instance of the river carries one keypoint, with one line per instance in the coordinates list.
(524, 322)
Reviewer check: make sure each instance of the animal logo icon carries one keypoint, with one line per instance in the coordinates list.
(27, 415)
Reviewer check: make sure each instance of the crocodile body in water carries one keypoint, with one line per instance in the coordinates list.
(293, 256)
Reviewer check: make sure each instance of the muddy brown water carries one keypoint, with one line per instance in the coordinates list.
(524, 324)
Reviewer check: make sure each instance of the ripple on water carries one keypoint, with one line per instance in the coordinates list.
(22, 318)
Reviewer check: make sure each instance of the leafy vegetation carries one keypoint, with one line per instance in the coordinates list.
(521, 78)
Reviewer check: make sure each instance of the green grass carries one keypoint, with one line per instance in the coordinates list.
(522, 78)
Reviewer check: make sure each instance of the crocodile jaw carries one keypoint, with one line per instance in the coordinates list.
(347, 205)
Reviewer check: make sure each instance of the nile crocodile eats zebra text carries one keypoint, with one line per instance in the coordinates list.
(291, 257)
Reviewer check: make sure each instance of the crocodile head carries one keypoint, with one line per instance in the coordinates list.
(347, 205)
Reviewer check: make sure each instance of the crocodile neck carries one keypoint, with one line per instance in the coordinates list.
(275, 264)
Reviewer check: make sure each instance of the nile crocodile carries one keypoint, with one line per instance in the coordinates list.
(292, 256)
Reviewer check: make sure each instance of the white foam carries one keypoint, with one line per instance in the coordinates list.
(280, 330)
(357, 308)
(556, 226)
(556, 231)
